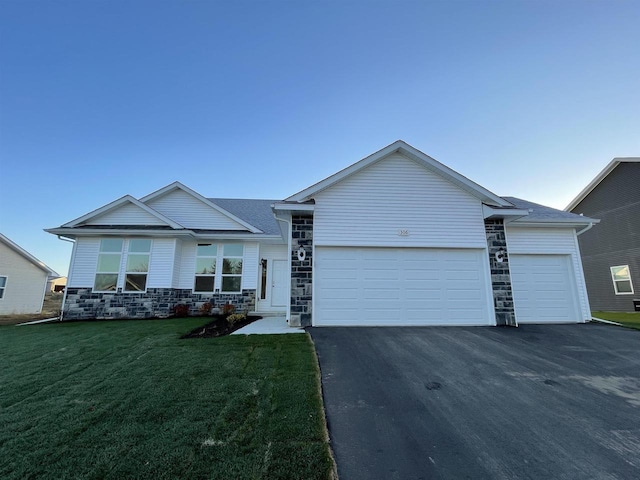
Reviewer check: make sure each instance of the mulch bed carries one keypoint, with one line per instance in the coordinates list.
(219, 327)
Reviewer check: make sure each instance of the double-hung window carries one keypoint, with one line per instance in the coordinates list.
(206, 257)
(622, 280)
(3, 285)
(209, 278)
(137, 265)
(136, 253)
(109, 260)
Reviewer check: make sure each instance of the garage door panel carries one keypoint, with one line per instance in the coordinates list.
(544, 289)
(401, 286)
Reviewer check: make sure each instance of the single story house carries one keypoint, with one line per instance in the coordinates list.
(23, 279)
(611, 252)
(394, 239)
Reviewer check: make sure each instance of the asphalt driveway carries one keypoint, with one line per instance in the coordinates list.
(539, 402)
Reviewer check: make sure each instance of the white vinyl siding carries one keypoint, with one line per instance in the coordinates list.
(82, 272)
(192, 213)
(25, 283)
(177, 264)
(250, 267)
(371, 207)
(161, 264)
(273, 251)
(127, 214)
(540, 241)
(401, 286)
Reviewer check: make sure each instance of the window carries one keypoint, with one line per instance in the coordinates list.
(108, 265)
(136, 252)
(3, 285)
(206, 256)
(227, 279)
(232, 268)
(622, 280)
(137, 265)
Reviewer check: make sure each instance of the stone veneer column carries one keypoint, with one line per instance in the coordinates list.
(301, 270)
(500, 274)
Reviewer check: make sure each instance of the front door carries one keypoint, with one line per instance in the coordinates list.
(279, 288)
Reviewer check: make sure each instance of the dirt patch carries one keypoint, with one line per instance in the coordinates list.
(219, 327)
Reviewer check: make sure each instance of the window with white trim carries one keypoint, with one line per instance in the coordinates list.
(136, 253)
(209, 278)
(622, 280)
(139, 251)
(232, 267)
(206, 258)
(108, 268)
(3, 285)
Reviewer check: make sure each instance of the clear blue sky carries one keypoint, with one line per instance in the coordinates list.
(99, 99)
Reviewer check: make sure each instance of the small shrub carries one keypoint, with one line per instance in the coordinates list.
(205, 308)
(235, 318)
(181, 310)
(228, 309)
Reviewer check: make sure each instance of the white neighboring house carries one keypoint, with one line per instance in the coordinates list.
(394, 239)
(23, 279)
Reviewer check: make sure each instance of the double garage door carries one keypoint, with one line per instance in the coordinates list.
(426, 286)
(401, 286)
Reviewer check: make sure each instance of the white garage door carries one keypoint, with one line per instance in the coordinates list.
(544, 289)
(401, 286)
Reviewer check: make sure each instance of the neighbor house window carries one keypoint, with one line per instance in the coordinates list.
(3, 285)
(137, 265)
(206, 257)
(232, 267)
(622, 280)
(108, 265)
(209, 278)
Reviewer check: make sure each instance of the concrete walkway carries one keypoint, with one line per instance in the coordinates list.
(268, 326)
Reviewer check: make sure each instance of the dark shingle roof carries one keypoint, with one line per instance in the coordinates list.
(540, 213)
(256, 212)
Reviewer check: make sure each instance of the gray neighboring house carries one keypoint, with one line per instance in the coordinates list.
(611, 252)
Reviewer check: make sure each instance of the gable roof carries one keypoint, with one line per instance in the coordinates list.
(599, 178)
(542, 214)
(414, 154)
(179, 186)
(21, 251)
(127, 199)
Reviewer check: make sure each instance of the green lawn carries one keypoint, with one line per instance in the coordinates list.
(128, 399)
(630, 319)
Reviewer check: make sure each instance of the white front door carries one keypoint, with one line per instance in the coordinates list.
(279, 283)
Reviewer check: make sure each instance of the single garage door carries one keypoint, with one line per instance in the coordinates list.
(401, 286)
(544, 289)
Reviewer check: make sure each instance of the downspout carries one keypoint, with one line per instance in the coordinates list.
(73, 257)
(588, 227)
(290, 224)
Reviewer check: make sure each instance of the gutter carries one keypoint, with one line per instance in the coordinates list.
(71, 261)
(588, 227)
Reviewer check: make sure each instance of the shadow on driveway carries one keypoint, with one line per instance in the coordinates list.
(552, 401)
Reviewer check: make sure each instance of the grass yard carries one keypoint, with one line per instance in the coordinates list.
(628, 319)
(128, 399)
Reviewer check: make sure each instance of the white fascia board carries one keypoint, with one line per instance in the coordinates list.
(177, 185)
(490, 212)
(416, 155)
(21, 251)
(599, 178)
(111, 232)
(118, 203)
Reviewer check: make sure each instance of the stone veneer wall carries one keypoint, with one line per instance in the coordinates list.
(84, 304)
(500, 274)
(301, 271)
